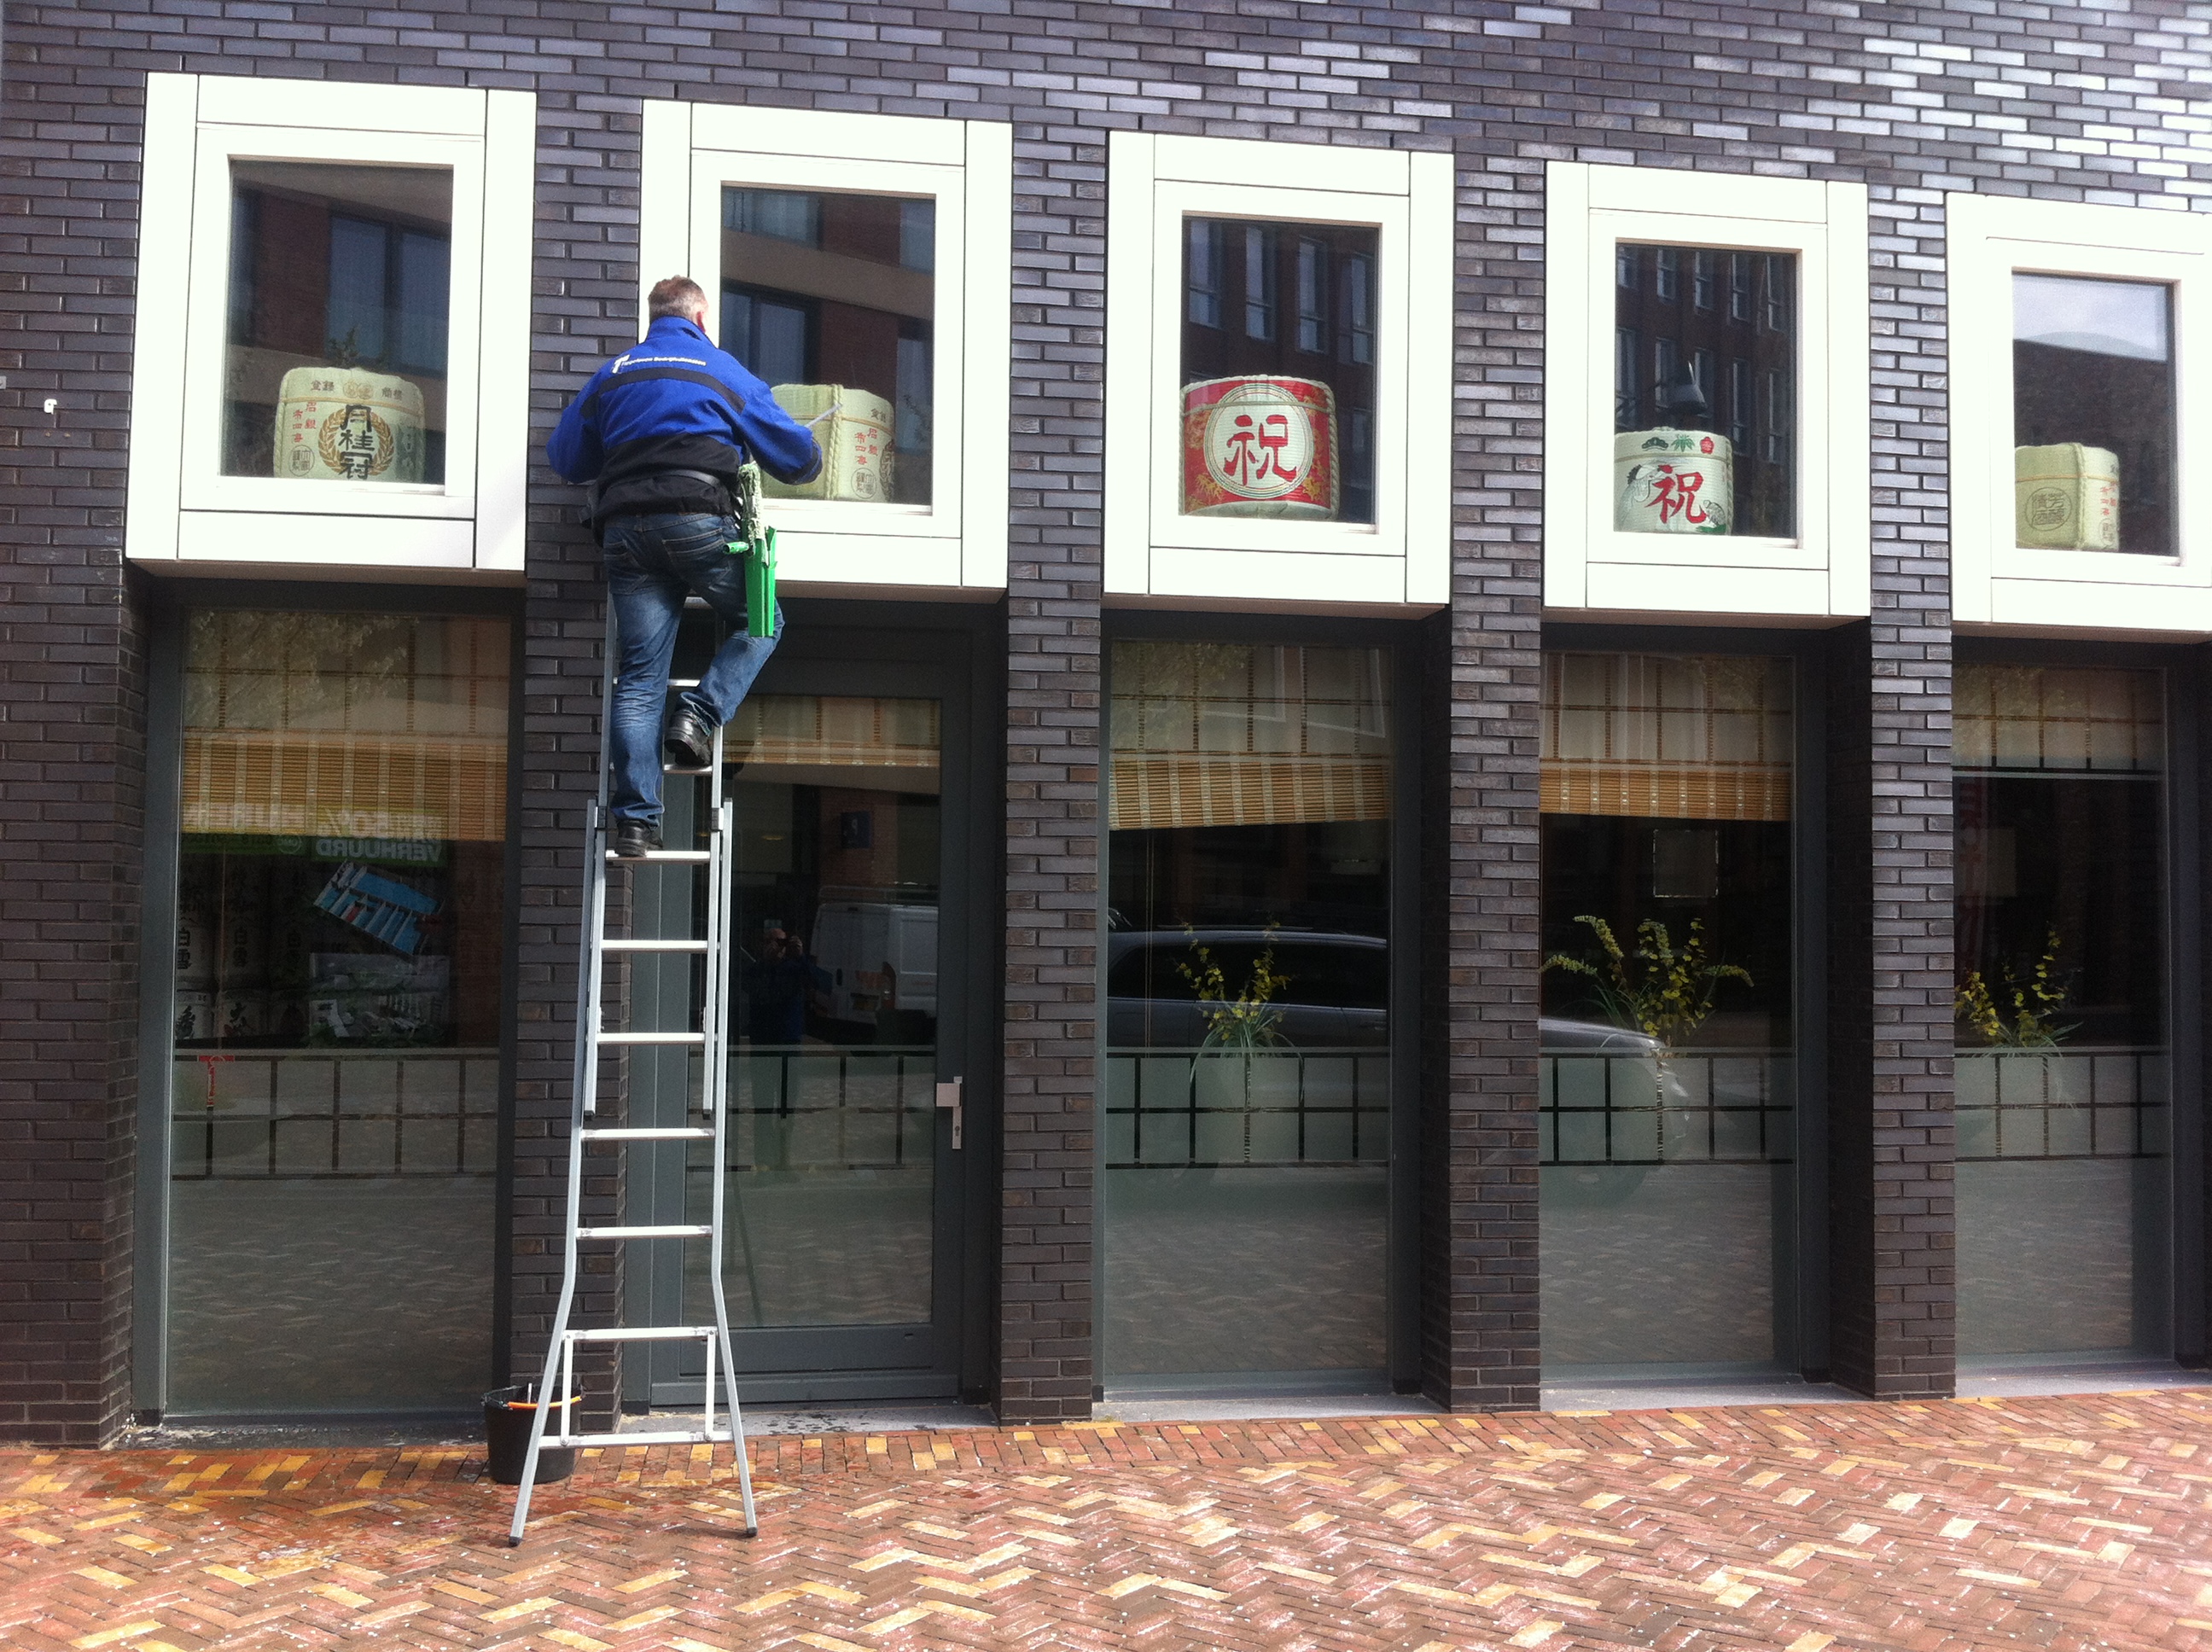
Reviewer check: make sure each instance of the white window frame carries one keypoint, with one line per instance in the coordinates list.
(1995, 580)
(1152, 549)
(182, 511)
(693, 151)
(1825, 570)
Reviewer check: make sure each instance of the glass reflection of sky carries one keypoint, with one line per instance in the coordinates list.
(2111, 318)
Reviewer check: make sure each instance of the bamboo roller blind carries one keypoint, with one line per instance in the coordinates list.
(1671, 736)
(1224, 734)
(816, 731)
(2058, 719)
(345, 725)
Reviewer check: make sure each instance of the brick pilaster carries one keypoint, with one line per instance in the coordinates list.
(585, 303)
(72, 760)
(1480, 1344)
(1892, 1220)
(1046, 1349)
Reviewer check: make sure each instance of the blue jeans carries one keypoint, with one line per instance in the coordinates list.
(653, 563)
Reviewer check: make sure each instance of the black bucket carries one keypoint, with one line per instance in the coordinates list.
(508, 1413)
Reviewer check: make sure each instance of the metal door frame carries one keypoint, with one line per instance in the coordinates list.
(841, 649)
(1800, 1255)
(169, 603)
(2182, 670)
(1401, 641)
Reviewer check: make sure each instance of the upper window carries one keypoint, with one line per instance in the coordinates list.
(862, 267)
(2093, 413)
(340, 280)
(332, 363)
(830, 299)
(1278, 353)
(1706, 393)
(1271, 428)
(2071, 407)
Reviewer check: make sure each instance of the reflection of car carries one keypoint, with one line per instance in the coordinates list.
(1580, 1037)
(1336, 987)
(879, 954)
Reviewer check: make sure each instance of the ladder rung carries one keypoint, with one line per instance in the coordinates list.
(670, 768)
(653, 1038)
(640, 1334)
(691, 1132)
(687, 857)
(686, 1231)
(672, 1437)
(683, 682)
(619, 943)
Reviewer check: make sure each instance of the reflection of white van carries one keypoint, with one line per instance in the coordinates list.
(880, 957)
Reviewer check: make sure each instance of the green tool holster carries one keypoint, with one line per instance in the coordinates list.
(756, 543)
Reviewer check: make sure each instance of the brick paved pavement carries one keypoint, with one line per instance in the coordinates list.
(2046, 1523)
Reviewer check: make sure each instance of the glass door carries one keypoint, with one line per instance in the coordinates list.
(2063, 1090)
(334, 1013)
(841, 1264)
(1246, 1177)
(1667, 1122)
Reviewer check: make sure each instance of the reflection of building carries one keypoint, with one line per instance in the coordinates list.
(1253, 870)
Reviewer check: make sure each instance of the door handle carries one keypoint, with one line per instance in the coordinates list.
(948, 1095)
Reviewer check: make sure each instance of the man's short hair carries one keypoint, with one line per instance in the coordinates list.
(677, 295)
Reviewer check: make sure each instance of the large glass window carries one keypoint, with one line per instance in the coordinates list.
(832, 299)
(1705, 391)
(1248, 1062)
(2092, 398)
(335, 1090)
(833, 1014)
(2063, 1095)
(1278, 363)
(339, 297)
(1667, 1110)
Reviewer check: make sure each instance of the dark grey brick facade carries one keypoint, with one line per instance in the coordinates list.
(2064, 102)
(1047, 1142)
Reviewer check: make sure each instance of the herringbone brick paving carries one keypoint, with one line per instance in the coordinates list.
(2046, 1523)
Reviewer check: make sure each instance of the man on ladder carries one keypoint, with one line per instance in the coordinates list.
(661, 432)
(670, 432)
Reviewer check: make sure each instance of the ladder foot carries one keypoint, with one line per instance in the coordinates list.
(752, 1531)
(514, 1543)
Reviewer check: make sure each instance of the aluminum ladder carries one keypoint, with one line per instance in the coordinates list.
(712, 1040)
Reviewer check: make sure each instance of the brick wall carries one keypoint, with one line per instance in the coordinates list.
(584, 309)
(72, 762)
(1046, 1367)
(2071, 102)
(1479, 1303)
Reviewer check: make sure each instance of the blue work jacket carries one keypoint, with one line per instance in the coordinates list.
(665, 425)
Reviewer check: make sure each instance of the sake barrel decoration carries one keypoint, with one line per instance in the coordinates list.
(194, 1013)
(1669, 481)
(2066, 497)
(196, 960)
(853, 430)
(241, 1013)
(348, 424)
(1259, 445)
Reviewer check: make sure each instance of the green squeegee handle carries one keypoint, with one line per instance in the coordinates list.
(760, 585)
(756, 543)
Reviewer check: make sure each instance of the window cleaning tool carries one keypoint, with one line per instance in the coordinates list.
(712, 1041)
(756, 543)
